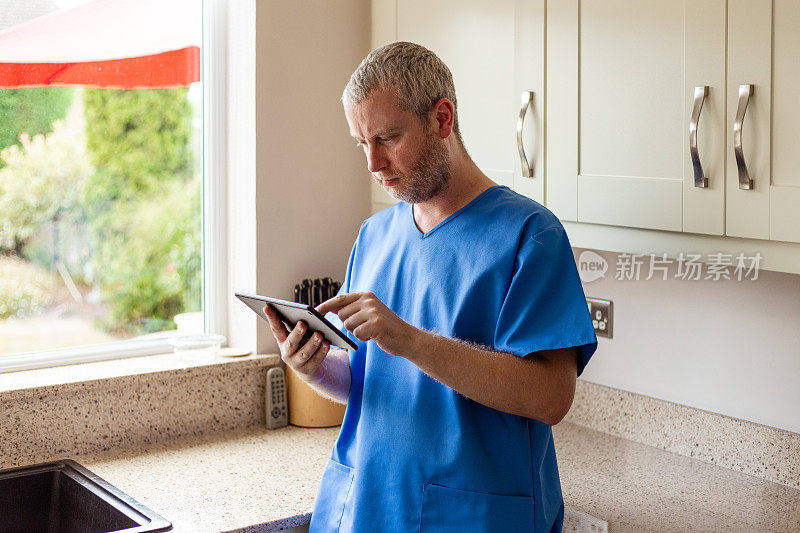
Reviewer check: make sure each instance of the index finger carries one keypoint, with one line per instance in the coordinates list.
(337, 302)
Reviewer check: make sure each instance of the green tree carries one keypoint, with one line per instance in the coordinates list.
(143, 203)
(137, 140)
(32, 111)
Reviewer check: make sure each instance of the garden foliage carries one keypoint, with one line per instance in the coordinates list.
(127, 177)
(32, 111)
(25, 289)
(143, 204)
(42, 177)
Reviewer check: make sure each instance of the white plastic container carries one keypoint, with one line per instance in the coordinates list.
(197, 348)
(189, 323)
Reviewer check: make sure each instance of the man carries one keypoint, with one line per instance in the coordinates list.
(471, 323)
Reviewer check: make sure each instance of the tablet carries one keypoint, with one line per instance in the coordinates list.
(291, 313)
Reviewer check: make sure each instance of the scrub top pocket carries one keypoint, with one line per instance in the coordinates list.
(446, 509)
(334, 488)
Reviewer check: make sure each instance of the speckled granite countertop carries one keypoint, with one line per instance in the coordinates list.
(262, 480)
(635, 487)
(224, 482)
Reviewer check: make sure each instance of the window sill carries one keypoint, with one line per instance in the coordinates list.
(114, 368)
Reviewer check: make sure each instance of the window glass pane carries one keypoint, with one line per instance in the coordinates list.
(100, 192)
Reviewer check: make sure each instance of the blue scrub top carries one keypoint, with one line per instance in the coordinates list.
(414, 454)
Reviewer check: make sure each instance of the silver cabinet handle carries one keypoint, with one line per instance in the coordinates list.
(700, 94)
(527, 101)
(745, 92)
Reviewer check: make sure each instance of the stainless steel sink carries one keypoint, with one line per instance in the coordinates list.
(63, 496)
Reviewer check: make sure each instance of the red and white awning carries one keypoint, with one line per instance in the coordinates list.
(123, 44)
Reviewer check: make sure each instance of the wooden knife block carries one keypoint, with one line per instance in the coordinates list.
(307, 408)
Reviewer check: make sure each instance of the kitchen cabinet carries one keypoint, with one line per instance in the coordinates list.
(621, 78)
(495, 51)
(763, 40)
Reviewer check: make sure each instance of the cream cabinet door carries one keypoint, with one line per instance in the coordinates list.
(621, 84)
(764, 39)
(495, 50)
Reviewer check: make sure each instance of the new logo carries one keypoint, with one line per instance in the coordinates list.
(591, 266)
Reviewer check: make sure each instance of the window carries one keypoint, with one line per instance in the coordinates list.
(101, 181)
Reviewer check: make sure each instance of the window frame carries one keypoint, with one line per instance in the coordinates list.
(213, 224)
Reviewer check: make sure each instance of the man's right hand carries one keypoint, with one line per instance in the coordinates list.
(305, 358)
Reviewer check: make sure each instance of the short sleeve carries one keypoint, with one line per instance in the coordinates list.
(545, 306)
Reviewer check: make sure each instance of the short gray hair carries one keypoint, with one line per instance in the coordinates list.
(418, 75)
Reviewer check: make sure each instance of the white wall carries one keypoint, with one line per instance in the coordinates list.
(730, 347)
(295, 170)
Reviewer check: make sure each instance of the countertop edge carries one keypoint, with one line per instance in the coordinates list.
(275, 525)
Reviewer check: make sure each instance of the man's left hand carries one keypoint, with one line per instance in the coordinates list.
(368, 318)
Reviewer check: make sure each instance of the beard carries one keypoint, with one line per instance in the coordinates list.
(429, 175)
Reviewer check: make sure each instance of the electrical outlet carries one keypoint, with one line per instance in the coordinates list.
(602, 312)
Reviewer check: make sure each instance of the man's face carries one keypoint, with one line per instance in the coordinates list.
(404, 155)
